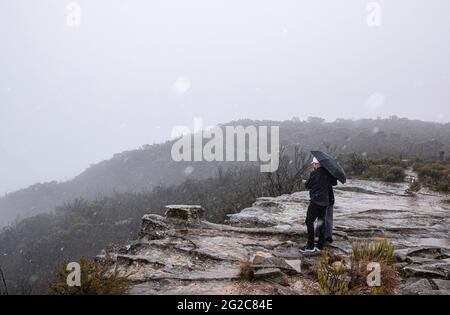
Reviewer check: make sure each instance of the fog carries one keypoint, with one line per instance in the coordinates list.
(133, 70)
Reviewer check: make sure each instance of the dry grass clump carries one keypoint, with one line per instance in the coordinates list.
(96, 279)
(336, 277)
(333, 275)
(380, 251)
(389, 279)
(246, 269)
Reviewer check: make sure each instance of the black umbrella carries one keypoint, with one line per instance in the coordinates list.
(331, 165)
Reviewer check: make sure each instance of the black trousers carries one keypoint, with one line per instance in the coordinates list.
(328, 223)
(315, 212)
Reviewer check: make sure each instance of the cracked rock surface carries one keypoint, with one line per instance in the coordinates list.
(181, 254)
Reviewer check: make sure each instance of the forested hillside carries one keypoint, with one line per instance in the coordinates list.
(151, 165)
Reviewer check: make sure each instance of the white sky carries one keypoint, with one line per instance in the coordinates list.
(72, 96)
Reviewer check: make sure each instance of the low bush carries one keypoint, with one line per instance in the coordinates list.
(354, 164)
(364, 253)
(333, 275)
(435, 175)
(388, 169)
(246, 269)
(389, 279)
(336, 277)
(381, 251)
(96, 279)
(394, 174)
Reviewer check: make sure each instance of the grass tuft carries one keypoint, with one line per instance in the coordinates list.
(246, 269)
(332, 275)
(97, 278)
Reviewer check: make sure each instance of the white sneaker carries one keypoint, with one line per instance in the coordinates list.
(306, 249)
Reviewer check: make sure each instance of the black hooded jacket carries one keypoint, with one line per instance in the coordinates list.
(320, 185)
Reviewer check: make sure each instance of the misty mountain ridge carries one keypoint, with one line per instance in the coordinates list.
(151, 165)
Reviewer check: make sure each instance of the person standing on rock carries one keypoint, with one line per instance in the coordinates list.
(328, 221)
(329, 214)
(320, 189)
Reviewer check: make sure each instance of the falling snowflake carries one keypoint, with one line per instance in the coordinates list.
(188, 170)
(33, 278)
(375, 101)
(181, 85)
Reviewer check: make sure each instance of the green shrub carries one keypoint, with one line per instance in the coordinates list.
(354, 164)
(388, 169)
(96, 279)
(374, 172)
(443, 187)
(389, 277)
(381, 251)
(333, 276)
(366, 252)
(336, 278)
(435, 175)
(394, 174)
(391, 161)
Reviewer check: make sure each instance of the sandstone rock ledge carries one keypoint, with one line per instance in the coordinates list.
(179, 253)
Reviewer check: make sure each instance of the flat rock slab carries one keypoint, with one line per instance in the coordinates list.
(418, 286)
(216, 287)
(272, 262)
(295, 264)
(442, 284)
(418, 271)
(265, 273)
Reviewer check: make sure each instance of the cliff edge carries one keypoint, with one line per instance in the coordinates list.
(180, 253)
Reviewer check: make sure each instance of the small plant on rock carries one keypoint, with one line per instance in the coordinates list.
(246, 269)
(333, 275)
(381, 251)
(364, 253)
(96, 279)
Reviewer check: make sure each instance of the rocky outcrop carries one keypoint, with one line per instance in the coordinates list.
(180, 253)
